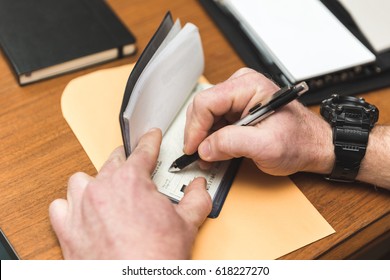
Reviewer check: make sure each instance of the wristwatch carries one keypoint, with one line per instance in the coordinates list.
(351, 119)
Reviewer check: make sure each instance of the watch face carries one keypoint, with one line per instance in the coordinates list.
(354, 111)
(350, 100)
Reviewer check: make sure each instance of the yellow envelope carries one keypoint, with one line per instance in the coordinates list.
(264, 217)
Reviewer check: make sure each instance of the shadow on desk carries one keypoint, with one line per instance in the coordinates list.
(379, 249)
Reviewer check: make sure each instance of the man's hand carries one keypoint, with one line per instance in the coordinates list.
(121, 215)
(292, 139)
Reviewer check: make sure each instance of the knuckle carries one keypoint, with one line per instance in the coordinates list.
(76, 179)
(189, 110)
(224, 141)
(129, 174)
(199, 113)
(142, 154)
(198, 102)
(128, 177)
(244, 70)
(207, 202)
(115, 158)
(229, 139)
(94, 196)
(256, 77)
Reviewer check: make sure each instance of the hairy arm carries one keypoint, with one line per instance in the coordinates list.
(375, 166)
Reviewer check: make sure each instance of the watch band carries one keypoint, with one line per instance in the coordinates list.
(348, 155)
(351, 119)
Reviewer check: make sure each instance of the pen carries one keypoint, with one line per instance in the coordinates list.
(256, 114)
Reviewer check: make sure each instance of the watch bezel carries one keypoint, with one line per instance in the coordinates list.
(335, 105)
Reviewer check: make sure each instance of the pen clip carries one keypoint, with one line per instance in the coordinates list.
(256, 107)
(281, 92)
(276, 95)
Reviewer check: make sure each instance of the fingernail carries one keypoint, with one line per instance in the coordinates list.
(205, 150)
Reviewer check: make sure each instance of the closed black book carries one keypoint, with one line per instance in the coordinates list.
(45, 38)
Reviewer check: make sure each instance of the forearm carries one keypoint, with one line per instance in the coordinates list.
(375, 167)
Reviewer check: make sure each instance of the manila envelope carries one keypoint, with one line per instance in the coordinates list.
(264, 217)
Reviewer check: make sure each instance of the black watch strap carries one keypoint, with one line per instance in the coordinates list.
(351, 119)
(348, 155)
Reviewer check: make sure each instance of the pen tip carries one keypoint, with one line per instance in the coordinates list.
(173, 168)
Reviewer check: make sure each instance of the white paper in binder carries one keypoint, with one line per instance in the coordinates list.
(302, 37)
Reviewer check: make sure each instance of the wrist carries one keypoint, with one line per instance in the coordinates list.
(374, 166)
(321, 155)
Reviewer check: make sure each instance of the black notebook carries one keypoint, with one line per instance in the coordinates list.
(45, 38)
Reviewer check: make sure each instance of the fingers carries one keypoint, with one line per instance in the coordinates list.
(144, 156)
(196, 203)
(240, 72)
(58, 210)
(115, 160)
(234, 96)
(76, 187)
(233, 142)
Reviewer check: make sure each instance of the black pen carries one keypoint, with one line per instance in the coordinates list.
(256, 114)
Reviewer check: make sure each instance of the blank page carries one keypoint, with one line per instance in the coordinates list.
(302, 37)
(165, 84)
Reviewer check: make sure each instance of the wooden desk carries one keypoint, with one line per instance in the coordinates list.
(39, 151)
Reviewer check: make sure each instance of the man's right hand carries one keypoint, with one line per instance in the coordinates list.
(292, 139)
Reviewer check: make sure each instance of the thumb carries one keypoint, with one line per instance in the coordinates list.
(196, 203)
(232, 142)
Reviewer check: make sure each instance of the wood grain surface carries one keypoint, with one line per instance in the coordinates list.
(39, 151)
